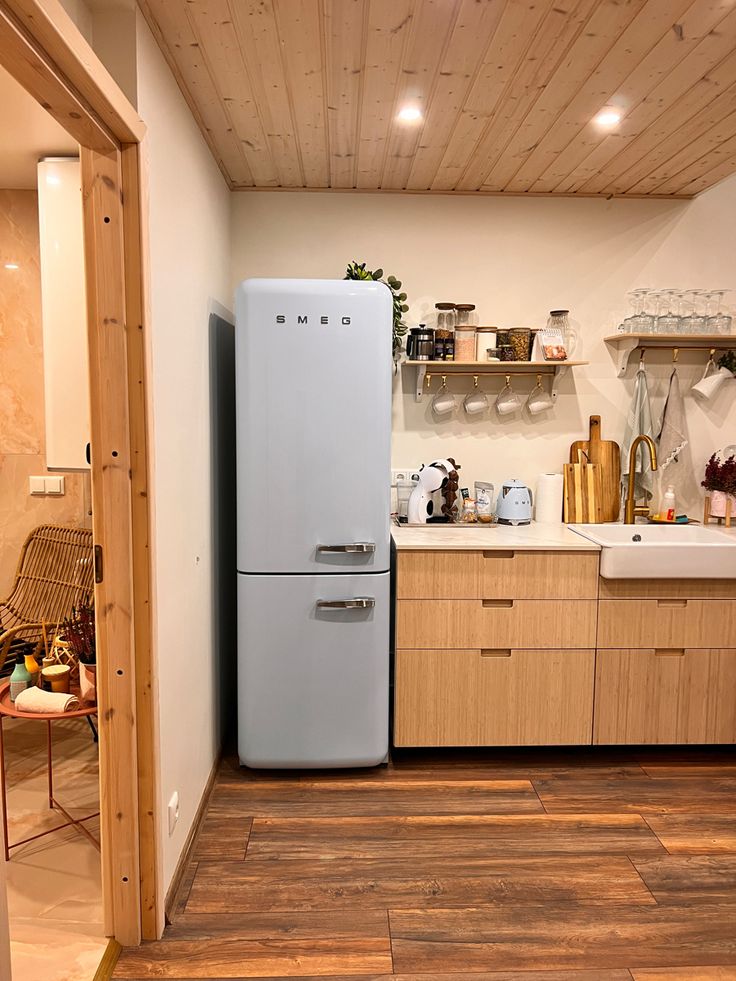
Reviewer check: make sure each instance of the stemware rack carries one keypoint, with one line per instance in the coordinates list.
(425, 369)
(625, 344)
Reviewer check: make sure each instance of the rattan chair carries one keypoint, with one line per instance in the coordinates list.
(55, 572)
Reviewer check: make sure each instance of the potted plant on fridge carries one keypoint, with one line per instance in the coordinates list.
(357, 270)
(79, 631)
(720, 482)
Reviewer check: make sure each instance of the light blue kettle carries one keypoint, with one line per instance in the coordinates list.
(514, 504)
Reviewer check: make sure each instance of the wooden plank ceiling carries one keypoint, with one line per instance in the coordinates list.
(306, 93)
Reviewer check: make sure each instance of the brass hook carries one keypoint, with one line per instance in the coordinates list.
(641, 355)
(675, 354)
(539, 380)
(429, 380)
(444, 381)
(475, 381)
(508, 380)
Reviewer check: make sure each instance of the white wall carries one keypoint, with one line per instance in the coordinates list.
(189, 218)
(516, 259)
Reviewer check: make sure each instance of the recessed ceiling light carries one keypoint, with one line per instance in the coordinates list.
(608, 117)
(11, 265)
(409, 114)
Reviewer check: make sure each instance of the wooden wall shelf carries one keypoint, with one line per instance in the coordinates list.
(424, 368)
(626, 343)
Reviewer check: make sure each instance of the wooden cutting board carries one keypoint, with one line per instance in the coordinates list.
(582, 493)
(606, 454)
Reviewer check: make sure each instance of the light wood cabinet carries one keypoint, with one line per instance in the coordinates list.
(667, 622)
(493, 697)
(497, 575)
(462, 624)
(675, 695)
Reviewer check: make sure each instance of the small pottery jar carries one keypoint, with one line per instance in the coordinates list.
(58, 677)
(718, 501)
(88, 682)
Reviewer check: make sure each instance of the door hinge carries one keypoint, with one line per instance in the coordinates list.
(98, 563)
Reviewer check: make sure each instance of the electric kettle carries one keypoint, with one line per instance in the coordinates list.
(514, 504)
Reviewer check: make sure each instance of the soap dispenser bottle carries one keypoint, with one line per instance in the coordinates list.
(20, 679)
(667, 508)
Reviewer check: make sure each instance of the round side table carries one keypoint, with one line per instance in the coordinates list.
(9, 711)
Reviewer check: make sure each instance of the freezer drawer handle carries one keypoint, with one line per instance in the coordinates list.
(359, 603)
(352, 547)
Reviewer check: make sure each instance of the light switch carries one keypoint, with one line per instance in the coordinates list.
(37, 485)
(54, 485)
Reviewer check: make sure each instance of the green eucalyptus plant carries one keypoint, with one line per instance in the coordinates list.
(358, 271)
(728, 360)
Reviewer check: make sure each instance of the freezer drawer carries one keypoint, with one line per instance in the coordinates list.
(312, 672)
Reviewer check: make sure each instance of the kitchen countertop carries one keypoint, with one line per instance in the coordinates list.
(533, 537)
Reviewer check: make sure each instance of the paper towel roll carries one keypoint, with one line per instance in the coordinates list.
(548, 499)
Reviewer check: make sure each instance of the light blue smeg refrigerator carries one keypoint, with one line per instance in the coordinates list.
(313, 377)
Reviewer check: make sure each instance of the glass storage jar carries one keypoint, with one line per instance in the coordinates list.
(485, 343)
(520, 338)
(465, 344)
(464, 314)
(446, 318)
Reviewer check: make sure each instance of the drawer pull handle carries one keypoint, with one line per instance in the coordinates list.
(669, 652)
(499, 555)
(495, 652)
(497, 604)
(672, 603)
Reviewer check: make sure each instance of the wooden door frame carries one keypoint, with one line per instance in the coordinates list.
(43, 50)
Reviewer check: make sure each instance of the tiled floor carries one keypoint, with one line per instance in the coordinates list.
(54, 889)
(485, 866)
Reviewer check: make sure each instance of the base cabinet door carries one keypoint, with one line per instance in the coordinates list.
(493, 697)
(665, 695)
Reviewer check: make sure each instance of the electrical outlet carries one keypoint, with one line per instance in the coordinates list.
(173, 811)
(404, 473)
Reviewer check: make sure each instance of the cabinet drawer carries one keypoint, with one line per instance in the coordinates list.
(497, 575)
(493, 698)
(451, 624)
(665, 696)
(667, 623)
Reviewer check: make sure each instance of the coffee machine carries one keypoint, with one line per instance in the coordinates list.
(440, 475)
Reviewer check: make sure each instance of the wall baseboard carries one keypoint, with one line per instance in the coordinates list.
(186, 853)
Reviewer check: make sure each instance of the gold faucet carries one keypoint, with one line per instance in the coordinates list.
(632, 508)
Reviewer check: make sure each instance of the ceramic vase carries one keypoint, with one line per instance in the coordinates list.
(88, 682)
(718, 501)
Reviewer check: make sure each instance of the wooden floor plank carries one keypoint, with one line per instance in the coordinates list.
(614, 975)
(288, 945)
(680, 879)
(477, 837)
(696, 833)
(248, 887)
(224, 839)
(685, 974)
(256, 958)
(691, 771)
(641, 795)
(556, 938)
(274, 799)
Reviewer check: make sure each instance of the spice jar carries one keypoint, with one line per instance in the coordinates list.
(465, 344)
(464, 314)
(485, 341)
(519, 338)
(502, 337)
(505, 352)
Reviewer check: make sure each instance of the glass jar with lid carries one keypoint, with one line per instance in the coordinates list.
(464, 314)
(485, 343)
(465, 343)
(446, 318)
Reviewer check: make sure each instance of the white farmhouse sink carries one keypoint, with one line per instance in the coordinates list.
(643, 551)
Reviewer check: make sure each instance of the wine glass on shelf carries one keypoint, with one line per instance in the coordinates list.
(718, 321)
(640, 322)
(668, 320)
(692, 320)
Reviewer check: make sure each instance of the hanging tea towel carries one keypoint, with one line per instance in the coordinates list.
(638, 422)
(673, 434)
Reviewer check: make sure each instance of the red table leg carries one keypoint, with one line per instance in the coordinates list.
(3, 791)
(50, 764)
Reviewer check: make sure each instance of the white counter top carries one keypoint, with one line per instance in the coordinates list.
(533, 537)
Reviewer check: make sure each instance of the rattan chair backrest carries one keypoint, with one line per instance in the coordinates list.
(55, 572)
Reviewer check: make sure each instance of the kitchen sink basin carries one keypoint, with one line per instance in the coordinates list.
(643, 551)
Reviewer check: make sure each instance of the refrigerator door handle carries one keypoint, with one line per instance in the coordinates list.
(352, 547)
(359, 603)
